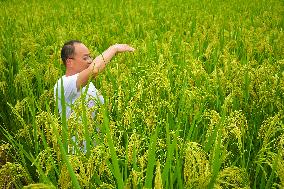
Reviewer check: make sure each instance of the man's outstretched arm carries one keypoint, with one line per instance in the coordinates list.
(99, 63)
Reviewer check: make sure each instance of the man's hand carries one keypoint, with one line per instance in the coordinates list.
(106, 56)
(122, 48)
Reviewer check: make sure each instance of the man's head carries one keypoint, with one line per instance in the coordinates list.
(75, 56)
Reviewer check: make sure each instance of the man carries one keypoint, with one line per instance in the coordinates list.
(80, 67)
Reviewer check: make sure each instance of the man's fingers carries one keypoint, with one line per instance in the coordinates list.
(131, 49)
(124, 47)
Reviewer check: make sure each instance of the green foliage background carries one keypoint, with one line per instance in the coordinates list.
(198, 105)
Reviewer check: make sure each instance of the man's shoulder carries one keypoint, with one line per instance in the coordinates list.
(69, 82)
(65, 79)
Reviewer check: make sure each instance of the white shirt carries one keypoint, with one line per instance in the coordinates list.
(71, 93)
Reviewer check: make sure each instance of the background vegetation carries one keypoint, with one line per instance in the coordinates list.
(198, 105)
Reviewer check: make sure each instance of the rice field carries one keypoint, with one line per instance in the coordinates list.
(198, 105)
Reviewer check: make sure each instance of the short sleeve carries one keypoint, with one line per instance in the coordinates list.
(70, 89)
(70, 92)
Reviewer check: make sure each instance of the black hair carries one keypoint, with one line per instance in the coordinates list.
(68, 50)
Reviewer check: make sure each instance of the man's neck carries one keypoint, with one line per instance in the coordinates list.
(69, 73)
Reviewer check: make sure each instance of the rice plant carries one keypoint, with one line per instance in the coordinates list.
(198, 105)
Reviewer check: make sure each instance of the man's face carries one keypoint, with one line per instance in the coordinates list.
(81, 59)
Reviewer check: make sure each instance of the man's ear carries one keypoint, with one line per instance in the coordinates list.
(69, 62)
